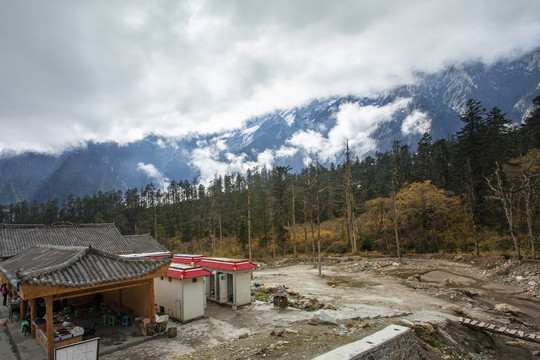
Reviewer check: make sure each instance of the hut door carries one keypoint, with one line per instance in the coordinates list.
(223, 288)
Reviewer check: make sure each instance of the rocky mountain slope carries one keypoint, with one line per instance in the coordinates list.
(286, 137)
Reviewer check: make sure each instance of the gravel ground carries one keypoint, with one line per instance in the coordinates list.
(371, 293)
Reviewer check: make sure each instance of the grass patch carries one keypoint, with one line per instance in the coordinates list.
(260, 296)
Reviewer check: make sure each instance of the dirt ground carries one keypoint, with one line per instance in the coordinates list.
(357, 296)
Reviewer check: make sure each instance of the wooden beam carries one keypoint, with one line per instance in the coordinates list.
(152, 299)
(49, 323)
(62, 292)
(92, 291)
(23, 309)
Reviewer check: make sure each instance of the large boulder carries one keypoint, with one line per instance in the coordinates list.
(324, 317)
(507, 308)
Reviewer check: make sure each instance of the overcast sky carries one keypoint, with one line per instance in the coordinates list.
(74, 71)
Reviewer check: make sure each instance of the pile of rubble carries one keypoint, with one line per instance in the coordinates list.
(295, 299)
(525, 275)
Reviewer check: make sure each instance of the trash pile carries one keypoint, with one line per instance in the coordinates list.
(294, 299)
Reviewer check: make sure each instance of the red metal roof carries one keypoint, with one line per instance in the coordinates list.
(183, 271)
(187, 259)
(226, 264)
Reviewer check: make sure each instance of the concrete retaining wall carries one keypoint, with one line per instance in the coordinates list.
(391, 343)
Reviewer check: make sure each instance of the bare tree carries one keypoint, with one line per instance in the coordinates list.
(396, 231)
(349, 200)
(293, 222)
(318, 212)
(249, 216)
(506, 194)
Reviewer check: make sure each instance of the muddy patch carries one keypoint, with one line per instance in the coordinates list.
(407, 275)
(439, 276)
(333, 282)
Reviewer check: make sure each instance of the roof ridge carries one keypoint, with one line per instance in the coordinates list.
(56, 225)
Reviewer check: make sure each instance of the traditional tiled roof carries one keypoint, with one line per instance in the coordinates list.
(144, 244)
(75, 266)
(17, 238)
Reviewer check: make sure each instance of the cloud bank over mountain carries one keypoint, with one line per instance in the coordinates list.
(118, 71)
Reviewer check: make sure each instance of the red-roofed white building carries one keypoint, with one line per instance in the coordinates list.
(230, 282)
(180, 294)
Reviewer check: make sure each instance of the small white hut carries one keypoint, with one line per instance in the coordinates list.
(180, 294)
(229, 282)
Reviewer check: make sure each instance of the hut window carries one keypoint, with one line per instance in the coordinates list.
(194, 279)
(170, 279)
(161, 277)
(161, 309)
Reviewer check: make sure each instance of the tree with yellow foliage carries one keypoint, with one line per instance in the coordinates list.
(426, 214)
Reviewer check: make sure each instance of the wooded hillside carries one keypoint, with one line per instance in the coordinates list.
(474, 192)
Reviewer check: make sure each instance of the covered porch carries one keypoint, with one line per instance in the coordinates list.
(61, 289)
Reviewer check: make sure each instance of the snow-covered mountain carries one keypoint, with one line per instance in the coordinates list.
(286, 137)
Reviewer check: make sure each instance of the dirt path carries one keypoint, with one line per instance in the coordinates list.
(370, 291)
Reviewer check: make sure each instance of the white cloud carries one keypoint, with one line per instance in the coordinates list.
(354, 123)
(285, 152)
(210, 158)
(158, 178)
(417, 122)
(122, 71)
(309, 140)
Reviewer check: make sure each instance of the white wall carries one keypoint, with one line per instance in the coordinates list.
(189, 293)
(243, 287)
(193, 303)
(166, 293)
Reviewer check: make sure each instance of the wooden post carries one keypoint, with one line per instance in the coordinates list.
(22, 309)
(49, 323)
(33, 314)
(152, 300)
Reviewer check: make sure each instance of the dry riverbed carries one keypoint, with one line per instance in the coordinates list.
(361, 296)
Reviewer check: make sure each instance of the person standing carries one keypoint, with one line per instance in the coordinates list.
(4, 291)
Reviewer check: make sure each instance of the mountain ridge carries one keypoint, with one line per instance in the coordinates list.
(284, 137)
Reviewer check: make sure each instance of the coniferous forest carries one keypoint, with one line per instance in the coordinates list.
(475, 192)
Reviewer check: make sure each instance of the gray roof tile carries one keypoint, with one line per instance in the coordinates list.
(17, 238)
(75, 266)
(144, 244)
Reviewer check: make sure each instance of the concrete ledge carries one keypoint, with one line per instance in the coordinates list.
(393, 340)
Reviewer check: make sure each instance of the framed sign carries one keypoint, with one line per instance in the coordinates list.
(84, 350)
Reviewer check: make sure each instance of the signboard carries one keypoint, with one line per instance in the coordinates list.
(84, 350)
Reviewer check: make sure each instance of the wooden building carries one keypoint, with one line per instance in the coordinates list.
(74, 263)
(77, 275)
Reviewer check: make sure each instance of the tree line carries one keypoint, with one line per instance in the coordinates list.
(473, 192)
